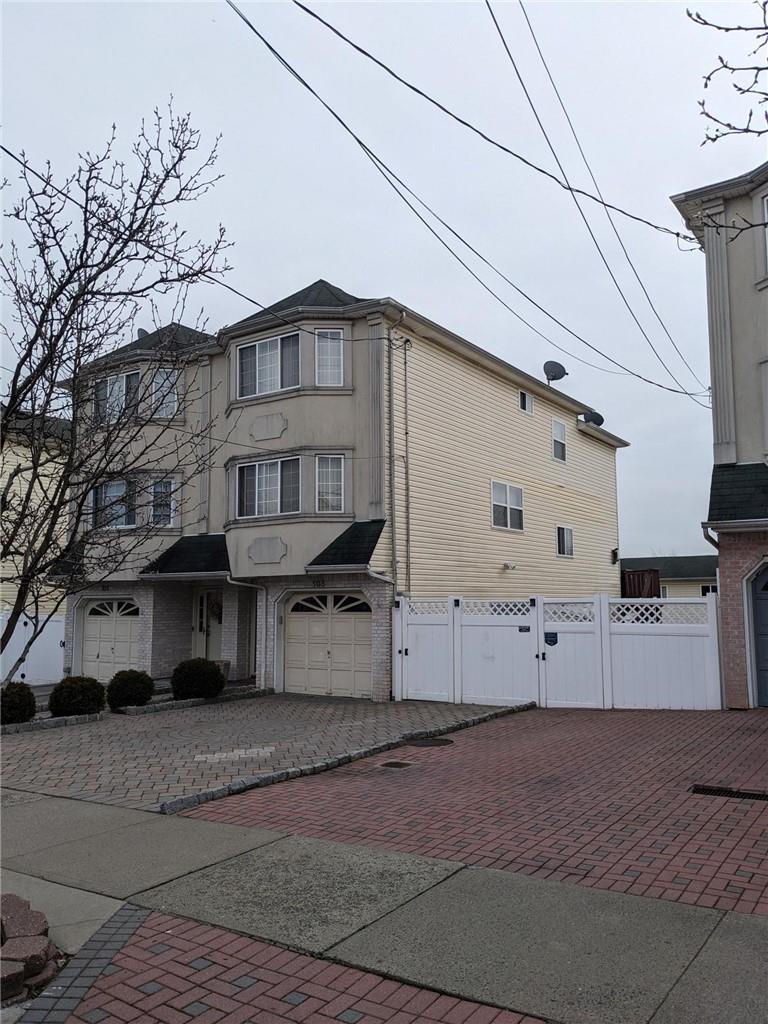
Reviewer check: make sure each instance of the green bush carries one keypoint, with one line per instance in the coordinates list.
(17, 704)
(197, 678)
(76, 695)
(130, 689)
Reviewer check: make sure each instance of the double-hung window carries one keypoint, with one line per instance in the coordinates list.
(559, 450)
(708, 588)
(114, 504)
(162, 502)
(268, 488)
(506, 506)
(165, 399)
(565, 541)
(114, 396)
(329, 358)
(270, 365)
(330, 483)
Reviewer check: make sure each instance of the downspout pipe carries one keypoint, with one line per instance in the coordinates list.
(708, 537)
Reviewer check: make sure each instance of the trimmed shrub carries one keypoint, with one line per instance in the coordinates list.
(130, 689)
(76, 695)
(197, 677)
(17, 704)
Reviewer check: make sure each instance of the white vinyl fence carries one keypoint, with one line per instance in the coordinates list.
(585, 652)
(45, 662)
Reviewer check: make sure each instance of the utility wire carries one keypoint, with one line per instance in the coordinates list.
(600, 194)
(575, 198)
(478, 131)
(385, 171)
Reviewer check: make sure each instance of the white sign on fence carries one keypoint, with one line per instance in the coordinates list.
(590, 652)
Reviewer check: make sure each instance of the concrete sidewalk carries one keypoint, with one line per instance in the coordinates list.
(541, 948)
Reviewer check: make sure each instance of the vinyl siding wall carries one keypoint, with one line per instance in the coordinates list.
(685, 588)
(465, 429)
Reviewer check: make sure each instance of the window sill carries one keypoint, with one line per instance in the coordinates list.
(507, 529)
(279, 396)
(290, 517)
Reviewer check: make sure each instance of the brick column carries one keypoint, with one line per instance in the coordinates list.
(739, 556)
(236, 630)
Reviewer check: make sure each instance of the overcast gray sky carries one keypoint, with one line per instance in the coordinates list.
(300, 201)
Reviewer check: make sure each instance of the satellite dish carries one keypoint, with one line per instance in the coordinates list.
(554, 371)
(141, 333)
(594, 417)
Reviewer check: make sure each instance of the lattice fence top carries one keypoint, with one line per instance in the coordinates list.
(496, 607)
(428, 607)
(569, 611)
(659, 613)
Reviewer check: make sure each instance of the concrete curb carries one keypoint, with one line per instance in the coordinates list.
(242, 785)
(49, 723)
(194, 702)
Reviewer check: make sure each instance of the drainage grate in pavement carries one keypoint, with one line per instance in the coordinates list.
(397, 764)
(431, 741)
(735, 794)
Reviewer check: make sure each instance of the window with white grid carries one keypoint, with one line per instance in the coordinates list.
(268, 488)
(114, 396)
(162, 502)
(329, 358)
(330, 483)
(165, 393)
(506, 506)
(558, 441)
(114, 504)
(269, 365)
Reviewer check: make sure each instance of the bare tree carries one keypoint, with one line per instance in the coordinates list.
(102, 459)
(748, 79)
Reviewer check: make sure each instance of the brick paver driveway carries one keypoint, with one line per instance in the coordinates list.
(597, 798)
(144, 760)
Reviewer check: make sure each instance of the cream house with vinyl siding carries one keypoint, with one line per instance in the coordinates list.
(458, 428)
(679, 575)
(329, 493)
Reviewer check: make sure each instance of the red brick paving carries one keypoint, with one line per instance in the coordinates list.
(250, 981)
(596, 798)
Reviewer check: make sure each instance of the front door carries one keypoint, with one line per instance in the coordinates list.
(207, 624)
(760, 613)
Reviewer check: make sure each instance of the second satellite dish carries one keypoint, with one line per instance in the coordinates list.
(594, 418)
(141, 333)
(554, 371)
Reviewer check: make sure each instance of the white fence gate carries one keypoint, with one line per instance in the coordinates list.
(589, 652)
(45, 662)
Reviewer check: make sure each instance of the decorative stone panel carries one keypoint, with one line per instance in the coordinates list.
(267, 550)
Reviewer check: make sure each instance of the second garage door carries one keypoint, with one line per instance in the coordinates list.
(110, 638)
(328, 645)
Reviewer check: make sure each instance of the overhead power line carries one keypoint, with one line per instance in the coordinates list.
(488, 138)
(608, 213)
(575, 199)
(389, 175)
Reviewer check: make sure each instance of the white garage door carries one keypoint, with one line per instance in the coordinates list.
(328, 645)
(110, 638)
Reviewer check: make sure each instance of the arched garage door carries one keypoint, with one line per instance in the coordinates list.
(328, 645)
(110, 638)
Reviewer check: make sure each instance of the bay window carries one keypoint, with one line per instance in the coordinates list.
(329, 358)
(165, 393)
(114, 504)
(116, 395)
(269, 365)
(329, 483)
(268, 488)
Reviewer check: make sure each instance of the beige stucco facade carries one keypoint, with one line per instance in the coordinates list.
(420, 456)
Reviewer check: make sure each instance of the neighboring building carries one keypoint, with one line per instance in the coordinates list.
(679, 575)
(44, 662)
(737, 298)
(364, 452)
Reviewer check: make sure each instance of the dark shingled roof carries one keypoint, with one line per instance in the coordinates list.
(320, 295)
(171, 338)
(739, 492)
(676, 567)
(203, 553)
(355, 546)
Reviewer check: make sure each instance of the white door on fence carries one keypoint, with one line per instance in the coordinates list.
(110, 638)
(428, 651)
(328, 645)
(571, 653)
(498, 652)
